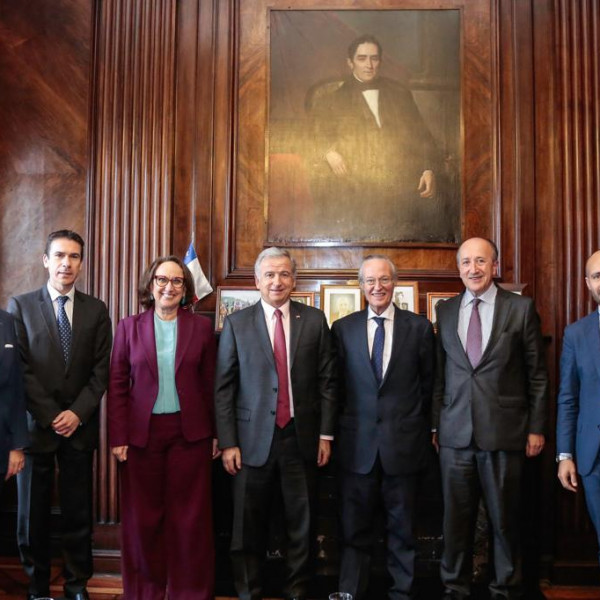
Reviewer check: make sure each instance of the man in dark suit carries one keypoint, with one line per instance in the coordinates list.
(375, 151)
(275, 415)
(385, 360)
(578, 421)
(64, 338)
(13, 422)
(490, 411)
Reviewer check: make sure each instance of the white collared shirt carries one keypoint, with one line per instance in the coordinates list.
(271, 320)
(486, 313)
(54, 294)
(388, 314)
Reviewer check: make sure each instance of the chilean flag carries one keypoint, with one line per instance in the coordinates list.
(203, 287)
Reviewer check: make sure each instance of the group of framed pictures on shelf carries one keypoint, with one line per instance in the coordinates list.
(336, 300)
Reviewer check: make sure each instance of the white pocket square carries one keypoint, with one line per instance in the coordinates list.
(8, 346)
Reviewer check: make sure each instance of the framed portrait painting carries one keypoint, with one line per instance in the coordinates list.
(432, 299)
(231, 299)
(338, 301)
(307, 298)
(406, 295)
(369, 153)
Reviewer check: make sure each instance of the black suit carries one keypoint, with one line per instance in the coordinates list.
(51, 387)
(382, 444)
(245, 401)
(483, 416)
(13, 422)
(384, 162)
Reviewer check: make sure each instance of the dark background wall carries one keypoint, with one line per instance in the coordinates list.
(142, 125)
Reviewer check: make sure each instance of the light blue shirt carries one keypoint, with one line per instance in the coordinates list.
(165, 334)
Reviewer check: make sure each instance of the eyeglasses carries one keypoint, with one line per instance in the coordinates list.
(382, 281)
(176, 282)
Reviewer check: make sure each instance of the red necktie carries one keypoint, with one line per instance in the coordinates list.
(283, 416)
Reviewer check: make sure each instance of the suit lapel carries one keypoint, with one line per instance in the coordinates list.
(262, 333)
(501, 311)
(78, 316)
(399, 333)
(454, 309)
(185, 333)
(296, 325)
(592, 336)
(145, 329)
(361, 341)
(49, 318)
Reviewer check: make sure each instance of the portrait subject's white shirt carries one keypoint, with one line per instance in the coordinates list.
(372, 99)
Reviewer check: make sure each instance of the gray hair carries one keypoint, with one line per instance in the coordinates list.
(375, 257)
(273, 252)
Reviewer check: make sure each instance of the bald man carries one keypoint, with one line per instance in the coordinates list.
(490, 412)
(577, 431)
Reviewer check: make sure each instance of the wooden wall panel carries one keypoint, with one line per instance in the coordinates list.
(131, 201)
(577, 26)
(45, 66)
(45, 69)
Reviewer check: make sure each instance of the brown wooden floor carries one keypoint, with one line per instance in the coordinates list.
(107, 587)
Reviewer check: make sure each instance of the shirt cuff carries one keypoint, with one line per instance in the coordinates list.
(329, 438)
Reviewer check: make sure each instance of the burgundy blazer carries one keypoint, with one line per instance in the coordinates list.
(133, 382)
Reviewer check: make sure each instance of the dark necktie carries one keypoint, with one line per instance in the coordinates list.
(474, 343)
(377, 352)
(283, 416)
(64, 327)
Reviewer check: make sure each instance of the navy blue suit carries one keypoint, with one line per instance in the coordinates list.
(578, 422)
(382, 443)
(13, 420)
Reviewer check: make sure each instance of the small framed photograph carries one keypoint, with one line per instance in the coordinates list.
(432, 299)
(337, 301)
(307, 298)
(406, 295)
(230, 299)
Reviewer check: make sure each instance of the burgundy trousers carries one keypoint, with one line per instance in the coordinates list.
(166, 516)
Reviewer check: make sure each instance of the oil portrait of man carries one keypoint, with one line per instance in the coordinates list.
(364, 126)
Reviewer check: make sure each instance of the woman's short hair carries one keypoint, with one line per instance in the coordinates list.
(147, 278)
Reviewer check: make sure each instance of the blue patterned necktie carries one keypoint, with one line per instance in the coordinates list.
(64, 327)
(377, 352)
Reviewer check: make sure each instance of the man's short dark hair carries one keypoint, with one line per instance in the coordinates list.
(64, 234)
(145, 295)
(367, 38)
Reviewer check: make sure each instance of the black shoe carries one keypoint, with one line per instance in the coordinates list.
(82, 595)
(31, 596)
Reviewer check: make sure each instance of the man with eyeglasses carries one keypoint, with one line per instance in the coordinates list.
(490, 411)
(385, 364)
(64, 338)
(577, 430)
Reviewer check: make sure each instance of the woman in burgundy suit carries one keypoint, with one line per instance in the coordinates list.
(160, 417)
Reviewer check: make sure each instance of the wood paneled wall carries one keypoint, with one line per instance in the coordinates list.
(130, 120)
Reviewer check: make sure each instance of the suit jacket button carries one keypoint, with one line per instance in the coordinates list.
(274, 389)
(272, 412)
(378, 419)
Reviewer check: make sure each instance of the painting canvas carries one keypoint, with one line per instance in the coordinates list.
(339, 301)
(406, 296)
(364, 127)
(232, 299)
